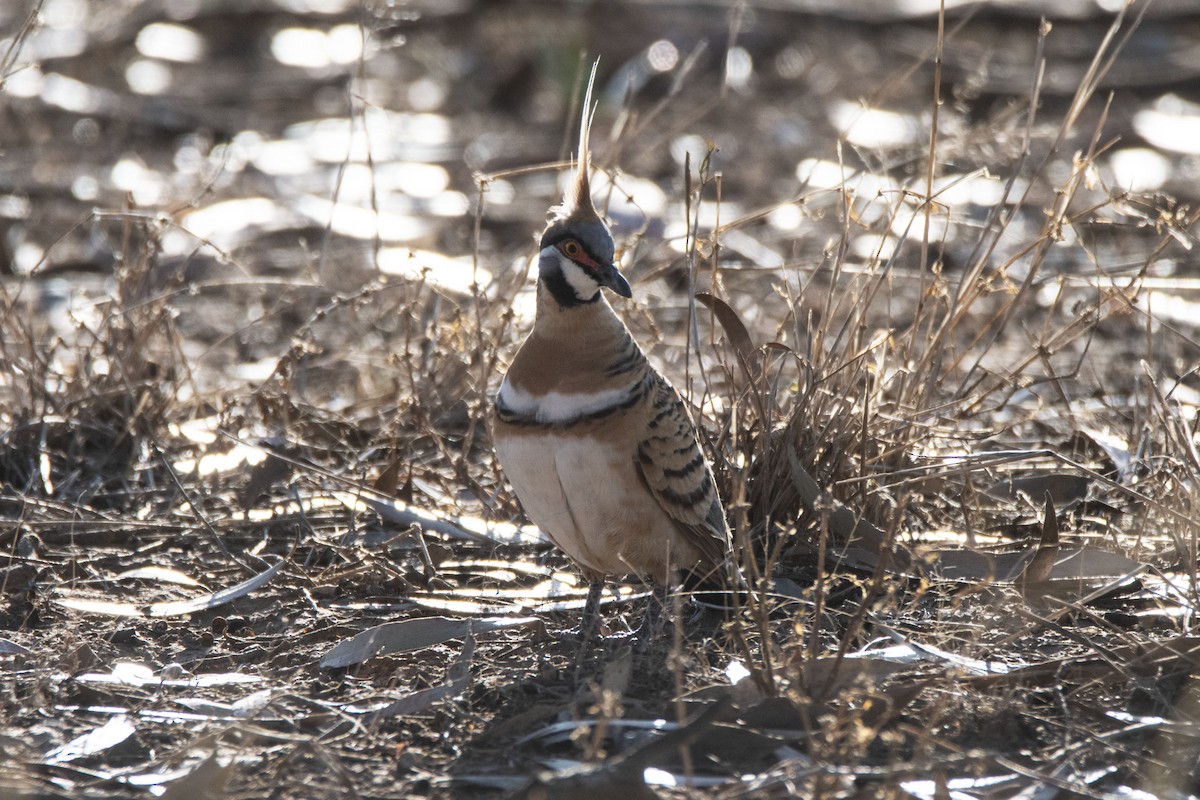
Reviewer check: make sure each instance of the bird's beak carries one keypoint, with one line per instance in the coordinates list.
(616, 281)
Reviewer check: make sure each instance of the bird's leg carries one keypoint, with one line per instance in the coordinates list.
(655, 616)
(589, 626)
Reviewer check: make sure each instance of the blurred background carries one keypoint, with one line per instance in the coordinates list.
(230, 228)
(259, 158)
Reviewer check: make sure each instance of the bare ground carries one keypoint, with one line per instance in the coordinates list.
(259, 279)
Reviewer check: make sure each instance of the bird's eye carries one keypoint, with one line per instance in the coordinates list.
(572, 248)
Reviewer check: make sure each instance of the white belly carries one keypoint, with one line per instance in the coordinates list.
(589, 500)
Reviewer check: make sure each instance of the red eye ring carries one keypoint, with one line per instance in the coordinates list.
(572, 248)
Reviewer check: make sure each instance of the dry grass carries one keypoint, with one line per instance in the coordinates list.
(908, 381)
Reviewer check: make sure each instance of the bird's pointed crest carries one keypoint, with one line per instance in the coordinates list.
(579, 202)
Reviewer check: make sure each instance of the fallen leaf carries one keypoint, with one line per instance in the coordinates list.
(458, 679)
(171, 608)
(412, 634)
(205, 602)
(403, 514)
(1037, 572)
(10, 648)
(735, 329)
(128, 673)
(847, 527)
(110, 734)
(160, 574)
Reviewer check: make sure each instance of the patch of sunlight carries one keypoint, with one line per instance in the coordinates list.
(202, 430)
(14, 207)
(234, 215)
(301, 47)
(232, 157)
(72, 95)
(449, 204)
(281, 157)
(655, 776)
(426, 94)
(63, 13)
(48, 43)
(871, 246)
(524, 307)
(1172, 123)
(148, 77)
(786, 217)
(675, 235)
(953, 788)
(237, 458)
(256, 371)
(312, 48)
(735, 670)
(690, 148)
(436, 269)
(1140, 169)
(147, 186)
(303, 7)
(917, 8)
(629, 199)
(911, 225)
(510, 533)
(752, 249)
(1169, 307)
(818, 173)
(358, 184)
(712, 405)
(739, 66)
(363, 223)
(956, 191)
(707, 216)
(499, 192)
(26, 82)
(387, 134)
(873, 127)
(169, 41)
(85, 187)
(662, 56)
(413, 178)
(132, 673)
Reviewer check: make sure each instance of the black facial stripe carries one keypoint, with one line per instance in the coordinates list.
(562, 291)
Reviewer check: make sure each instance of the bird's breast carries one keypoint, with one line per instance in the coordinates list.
(563, 408)
(584, 493)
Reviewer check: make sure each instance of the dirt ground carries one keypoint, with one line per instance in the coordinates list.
(263, 264)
